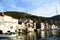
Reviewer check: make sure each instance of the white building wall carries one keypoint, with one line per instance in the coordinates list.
(7, 22)
(42, 26)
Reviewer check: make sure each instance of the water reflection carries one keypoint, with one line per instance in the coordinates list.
(55, 32)
(42, 35)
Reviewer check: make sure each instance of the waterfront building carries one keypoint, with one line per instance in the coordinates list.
(38, 25)
(42, 26)
(21, 24)
(7, 22)
(46, 26)
(53, 26)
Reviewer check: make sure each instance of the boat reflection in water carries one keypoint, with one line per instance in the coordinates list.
(42, 35)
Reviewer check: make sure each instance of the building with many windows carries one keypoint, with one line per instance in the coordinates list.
(7, 23)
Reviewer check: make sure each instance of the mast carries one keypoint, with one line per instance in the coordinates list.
(56, 7)
(56, 10)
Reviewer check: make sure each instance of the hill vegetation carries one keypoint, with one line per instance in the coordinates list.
(21, 15)
(57, 17)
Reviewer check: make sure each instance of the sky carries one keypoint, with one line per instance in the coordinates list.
(45, 8)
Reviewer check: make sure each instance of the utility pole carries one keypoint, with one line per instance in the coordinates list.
(56, 4)
(56, 10)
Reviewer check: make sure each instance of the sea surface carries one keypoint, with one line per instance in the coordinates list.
(39, 35)
(42, 35)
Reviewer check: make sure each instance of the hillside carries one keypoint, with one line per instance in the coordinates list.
(22, 15)
(56, 17)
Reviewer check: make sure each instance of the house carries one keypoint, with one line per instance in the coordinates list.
(30, 23)
(42, 26)
(54, 26)
(26, 24)
(46, 26)
(2, 22)
(38, 25)
(8, 23)
(21, 24)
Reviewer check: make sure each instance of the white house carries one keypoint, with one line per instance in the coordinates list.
(7, 22)
(54, 27)
(42, 26)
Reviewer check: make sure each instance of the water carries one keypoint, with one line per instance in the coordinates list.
(43, 35)
(39, 35)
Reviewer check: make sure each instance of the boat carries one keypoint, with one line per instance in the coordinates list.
(10, 36)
